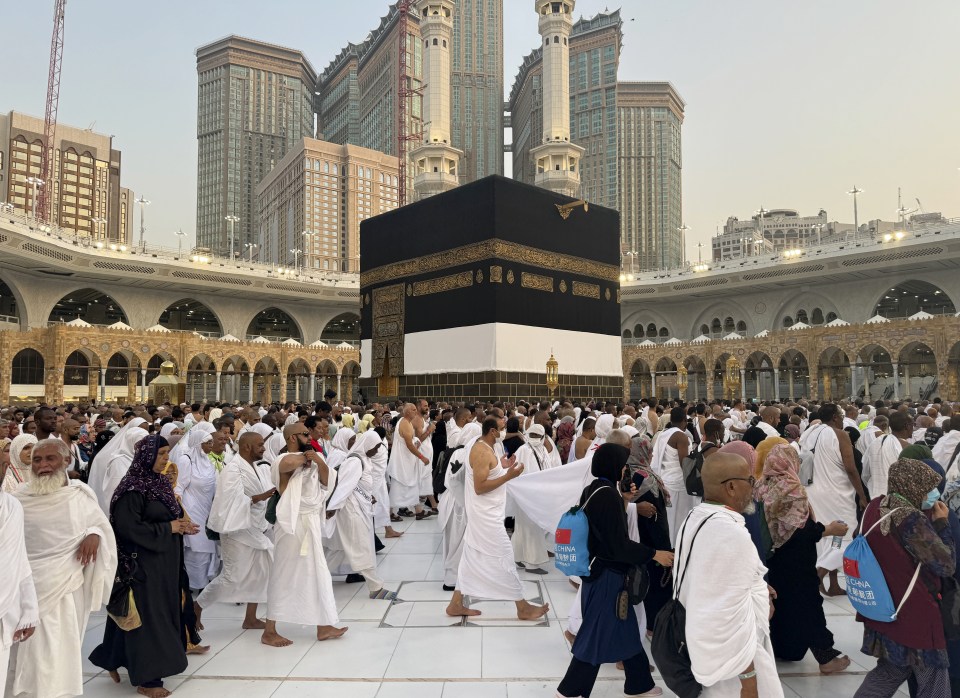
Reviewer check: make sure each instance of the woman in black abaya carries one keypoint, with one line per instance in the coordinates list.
(146, 518)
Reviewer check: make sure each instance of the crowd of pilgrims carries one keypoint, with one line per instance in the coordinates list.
(158, 512)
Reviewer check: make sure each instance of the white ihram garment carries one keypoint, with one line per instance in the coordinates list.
(196, 485)
(723, 589)
(18, 597)
(404, 469)
(487, 570)
(529, 540)
(49, 663)
(943, 452)
(832, 496)
(350, 547)
(378, 473)
(453, 514)
(246, 550)
(666, 463)
(113, 462)
(300, 589)
(426, 471)
(882, 453)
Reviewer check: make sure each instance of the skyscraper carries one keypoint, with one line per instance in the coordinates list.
(255, 102)
(477, 87)
(357, 92)
(630, 133)
(649, 165)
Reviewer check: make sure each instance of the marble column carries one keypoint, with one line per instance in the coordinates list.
(143, 385)
(312, 391)
(776, 384)
(896, 380)
(217, 390)
(743, 384)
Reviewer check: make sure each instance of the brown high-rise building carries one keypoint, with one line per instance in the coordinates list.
(255, 102)
(85, 192)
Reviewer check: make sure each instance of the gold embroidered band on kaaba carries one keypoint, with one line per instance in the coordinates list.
(490, 249)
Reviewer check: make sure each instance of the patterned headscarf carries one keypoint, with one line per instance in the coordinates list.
(763, 450)
(792, 432)
(744, 450)
(907, 486)
(785, 504)
(153, 486)
(566, 433)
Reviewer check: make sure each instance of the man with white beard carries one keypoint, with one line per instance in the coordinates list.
(18, 597)
(453, 516)
(407, 464)
(350, 543)
(73, 555)
(529, 540)
(300, 589)
(238, 515)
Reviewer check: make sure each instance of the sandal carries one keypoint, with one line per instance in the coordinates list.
(395, 519)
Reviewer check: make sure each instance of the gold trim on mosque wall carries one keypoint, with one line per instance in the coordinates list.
(445, 283)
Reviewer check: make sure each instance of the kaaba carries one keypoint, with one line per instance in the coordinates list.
(466, 295)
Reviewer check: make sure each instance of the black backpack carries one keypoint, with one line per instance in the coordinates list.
(692, 466)
(669, 644)
(440, 470)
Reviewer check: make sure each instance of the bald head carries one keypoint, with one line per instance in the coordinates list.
(726, 481)
(619, 437)
(770, 415)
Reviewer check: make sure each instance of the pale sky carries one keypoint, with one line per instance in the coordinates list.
(789, 105)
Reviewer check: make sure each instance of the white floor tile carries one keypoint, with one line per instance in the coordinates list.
(442, 653)
(364, 652)
(102, 686)
(362, 607)
(421, 614)
(341, 689)
(423, 591)
(467, 689)
(417, 544)
(405, 568)
(520, 652)
(204, 688)
(410, 689)
(247, 656)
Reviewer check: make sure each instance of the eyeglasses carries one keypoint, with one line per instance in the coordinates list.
(752, 480)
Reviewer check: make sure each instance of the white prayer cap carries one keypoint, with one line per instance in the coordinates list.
(536, 432)
(627, 429)
(604, 425)
(215, 413)
(292, 418)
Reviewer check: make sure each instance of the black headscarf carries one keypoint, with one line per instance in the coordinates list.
(608, 462)
(103, 438)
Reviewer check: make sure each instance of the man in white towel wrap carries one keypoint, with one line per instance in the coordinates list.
(727, 602)
(453, 516)
(73, 555)
(300, 589)
(486, 569)
(407, 464)
(238, 514)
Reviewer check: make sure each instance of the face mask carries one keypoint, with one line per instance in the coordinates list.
(932, 497)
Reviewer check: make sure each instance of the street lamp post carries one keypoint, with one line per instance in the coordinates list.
(296, 259)
(250, 246)
(143, 205)
(856, 219)
(180, 236)
(760, 214)
(34, 182)
(819, 227)
(700, 247)
(683, 243)
(231, 220)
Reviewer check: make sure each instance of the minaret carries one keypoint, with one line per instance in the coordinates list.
(557, 159)
(436, 162)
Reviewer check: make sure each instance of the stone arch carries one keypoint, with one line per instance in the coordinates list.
(717, 371)
(951, 382)
(874, 373)
(276, 324)
(642, 318)
(343, 328)
(120, 379)
(327, 373)
(919, 378)
(349, 381)
(235, 379)
(720, 310)
(89, 304)
(157, 358)
(190, 315)
(789, 309)
(759, 376)
(267, 380)
(28, 368)
(12, 305)
(298, 379)
(697, 377)
(912, 296)
(835, 373)
(639, 380)
(627, 334)
(794, 370)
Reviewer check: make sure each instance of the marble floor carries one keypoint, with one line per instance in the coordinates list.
(412, 649)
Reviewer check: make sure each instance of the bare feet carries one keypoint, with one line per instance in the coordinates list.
(329, 632)
(574, 584)
(835, 666)
(570, 636)
(458, 609)
(255, 624)
(620, 666)
(275, 639)
(391, 533)
(153, 692)
(115, 676)
(527, 611)
(198, 611)
(199, 649)
(835, 590)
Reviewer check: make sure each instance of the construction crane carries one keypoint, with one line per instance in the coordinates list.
(405, 93)
(50, 113)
